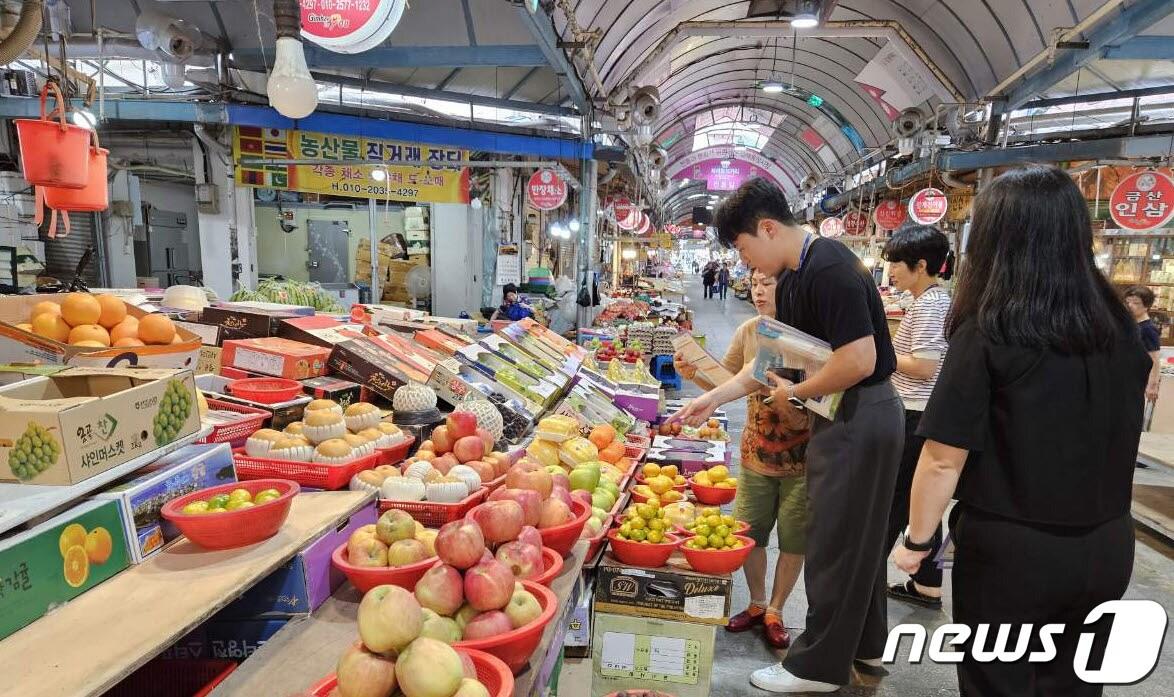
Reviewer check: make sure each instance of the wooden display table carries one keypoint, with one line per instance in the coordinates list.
(88, 646)
(307, 649)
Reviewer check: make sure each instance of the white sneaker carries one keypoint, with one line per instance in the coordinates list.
(776, 678)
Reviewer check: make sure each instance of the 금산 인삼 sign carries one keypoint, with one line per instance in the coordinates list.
(1143, 201)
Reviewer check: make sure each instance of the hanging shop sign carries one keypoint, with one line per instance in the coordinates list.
(350, 26)
(928, 206)
(547, 190)
(889, 214)
(632, 220)
(1143, 201)
(663, 240)
(725, 169)
(831, 227)
(672, 229)
(645, 225)
(959, 208)
(416, 183)
(855, 223)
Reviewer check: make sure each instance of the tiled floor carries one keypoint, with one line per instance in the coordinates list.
(739, 654)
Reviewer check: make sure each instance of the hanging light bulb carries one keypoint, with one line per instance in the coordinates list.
(475, 203)
(292, 91)
(807, 16)
(378, 174)
(574, 225)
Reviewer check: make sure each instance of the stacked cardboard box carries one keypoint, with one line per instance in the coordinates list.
(393, 272)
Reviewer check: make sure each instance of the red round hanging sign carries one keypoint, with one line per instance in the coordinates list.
(546, 190)
(889, 214)
(831, 227)
(928, 206)
(855, 223)
(349, 27)
(1143, 201)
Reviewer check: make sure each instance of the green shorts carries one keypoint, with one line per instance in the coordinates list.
(764, 502)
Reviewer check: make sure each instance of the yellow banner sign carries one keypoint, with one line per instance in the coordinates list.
(416, 183)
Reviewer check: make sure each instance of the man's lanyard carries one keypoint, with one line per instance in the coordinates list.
(803, 252)
(793, 284)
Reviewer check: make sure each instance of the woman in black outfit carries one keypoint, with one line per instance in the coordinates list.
(1033, 426)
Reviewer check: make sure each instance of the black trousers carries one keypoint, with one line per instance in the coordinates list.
(928, 574)
(708, 290)
(851, 467)
(1008, 572)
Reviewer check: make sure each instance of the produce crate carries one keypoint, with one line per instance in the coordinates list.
(238, 431)
(635, 452)
(433, 514)
(174, 678)
(315, 474)
(396, 453)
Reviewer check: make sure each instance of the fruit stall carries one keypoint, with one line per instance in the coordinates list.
(279, 500)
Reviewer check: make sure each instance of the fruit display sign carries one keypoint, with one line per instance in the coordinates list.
(1143, 201)
(855, 223)
(58, 561)
(546, 190)
(831, 227)
(344, 26)
(928, 206)
(889, 215)
(437, 183)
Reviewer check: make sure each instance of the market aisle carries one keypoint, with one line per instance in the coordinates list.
(740, 654)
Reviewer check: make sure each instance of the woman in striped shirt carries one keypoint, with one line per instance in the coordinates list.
(918, 256)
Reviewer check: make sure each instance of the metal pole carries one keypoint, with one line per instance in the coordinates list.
(376, 295)
(587, 205)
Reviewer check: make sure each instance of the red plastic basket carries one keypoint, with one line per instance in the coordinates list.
(366, 577)
(554, 566)
(495, 484)
(491, 672)
(238, 528)
(712, 495)
(238, 431)
(164, 677)
(561, 538)
(718, 561)
(515, 647)
(635, 452)
(266, 390)
(396, 453)
(433, 514)
(741, 527)
(315, 474)
(643, 554)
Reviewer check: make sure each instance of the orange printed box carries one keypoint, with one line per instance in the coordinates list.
(281, 358)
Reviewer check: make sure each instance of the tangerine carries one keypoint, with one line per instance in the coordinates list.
(74, 535)
(127, 328)
(77, 566)
(156, 329)
(80, 308)
(45, 306)
(90, 343)
(99, 545)
(50, 326)
(612, 453)
(90, 333)
(127, 342)
(602, 435)
(113, 310)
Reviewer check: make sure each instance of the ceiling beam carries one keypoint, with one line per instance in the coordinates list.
(541, 28)
(518, 85)
(1126, 25)
(409, 57)
(411, 91)
(1142, 48)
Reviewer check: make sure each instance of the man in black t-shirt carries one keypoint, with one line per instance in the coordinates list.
(852, 459)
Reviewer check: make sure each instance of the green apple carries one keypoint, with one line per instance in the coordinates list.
(610, 487)
(599, 513)
(584, 478)
(601, 498)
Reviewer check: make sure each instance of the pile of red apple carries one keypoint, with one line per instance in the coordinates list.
(543, 495)
(396, 539)
(460, 441)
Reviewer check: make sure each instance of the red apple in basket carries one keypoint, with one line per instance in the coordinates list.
(468, 449)
(361, 672)
(528, 474)
(366, 551)
(465, 614)
(500, 521)
(486, 438)
(460, 543)
(524, 560)
(427, 445)
(523, 608)
(483, 470)
(559, 478)
(390, 618)
(461, 424)
(406, 552)
(499, 461)
(441, 439)
(441, 589)
(429, 668)
(488, 586)
(554, 513)
(582, 496)
(487, 624)
(530, 536)
(561, 494)
(528, 499)
(445, 462)
(395, 525)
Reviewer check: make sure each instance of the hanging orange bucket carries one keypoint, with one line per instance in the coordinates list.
(53, 152)
(91, 197)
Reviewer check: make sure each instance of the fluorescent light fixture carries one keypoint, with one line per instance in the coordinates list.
(806, 15)
(709, 207)
(773, 86)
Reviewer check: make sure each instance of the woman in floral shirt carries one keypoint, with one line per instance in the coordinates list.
(771, 485)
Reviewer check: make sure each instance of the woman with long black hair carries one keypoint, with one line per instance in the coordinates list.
(1033, 426)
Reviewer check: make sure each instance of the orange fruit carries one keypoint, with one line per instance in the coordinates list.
(602, 435)
(90, 343)
(99, 545)
(73, 535)
(127, 328)
(113, 310)
(89, 333)
(51, 326)
(156, 329)
(80, 308)
(45, 306)
(612, 453)
(77, 566)
(127, 341)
